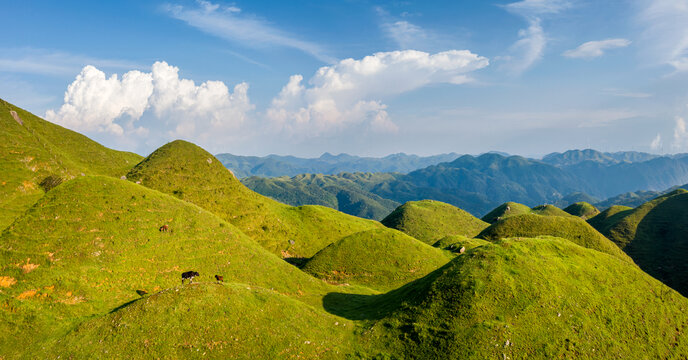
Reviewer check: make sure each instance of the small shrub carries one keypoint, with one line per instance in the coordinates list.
(50, 182)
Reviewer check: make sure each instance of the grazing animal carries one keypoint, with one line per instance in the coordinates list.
(462, 250)
(219, 278)
(141, 292)
(189, 275)
(164, 228)
(508, 208)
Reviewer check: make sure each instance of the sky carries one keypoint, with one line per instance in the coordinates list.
(362, 77)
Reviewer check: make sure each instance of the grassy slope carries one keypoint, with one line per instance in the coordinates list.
(381, 259)
(532, 298)
(89, 244)
(209, 321)
(37, 149)
(654, 235)
(603, 221)
(583, 210)
(570, 227)
(430, 220)
(512, 209)
(192, 174)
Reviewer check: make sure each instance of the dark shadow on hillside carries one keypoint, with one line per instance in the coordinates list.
(376, 307)
(123, 305)
(299, 262)
(661, 245)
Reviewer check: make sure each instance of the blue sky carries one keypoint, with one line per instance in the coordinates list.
(363, 77)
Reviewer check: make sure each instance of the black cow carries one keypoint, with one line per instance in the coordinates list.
(189, 275)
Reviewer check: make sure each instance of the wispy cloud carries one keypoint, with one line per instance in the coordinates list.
(680, 135)
(54, 63)
(593, 49)
(627, 94)
(231, 24)
(406, 35)
(666, 31)
(532, 42)
(656, 143)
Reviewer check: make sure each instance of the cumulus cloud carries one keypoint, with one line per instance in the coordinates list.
(680, 135)
(666, 31)
(592, 49)
(351, 91)
(656, 143)
(229, 23)
(530, 46)
(97, 103)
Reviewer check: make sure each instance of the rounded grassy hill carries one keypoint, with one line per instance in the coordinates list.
(583, 210)
(92, 243)
(572, 228)
(381, 259)
(654, 235)
(208, 321)
(532, 298)
(430, 220)
(192, 174)
(512, 209)
(37, 155)
(609, 217)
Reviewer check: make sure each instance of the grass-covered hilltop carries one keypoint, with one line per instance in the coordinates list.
(94, 243)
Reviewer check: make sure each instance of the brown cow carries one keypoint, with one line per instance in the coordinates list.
(164, 228)
(219, 278)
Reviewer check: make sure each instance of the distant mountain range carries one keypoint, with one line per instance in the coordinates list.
(480, 183)
(328, 164)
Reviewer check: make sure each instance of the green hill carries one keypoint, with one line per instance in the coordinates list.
(572, 228)
(609, 217)
(230, 321)
(192, 174)
(582, 209)
(430, 220)
(654, 236)
(382, 259)
(512, 209)
(88, 245)
(346, 192)
(34, 150)
(531, 298)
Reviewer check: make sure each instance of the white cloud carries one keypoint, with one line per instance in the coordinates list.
(231, 24)
(536, 8)
(666, 31)
(350, 92)
(55, 63)
(530, 47)
(656, 143)
(96, 103)
(592, 49)
(404, 33)
(680, 135)
(627, 94)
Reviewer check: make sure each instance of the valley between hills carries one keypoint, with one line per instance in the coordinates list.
(579, 255)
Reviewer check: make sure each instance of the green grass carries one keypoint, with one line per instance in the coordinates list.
(88, 245)
(381, 259)
(208, 321)
(583, 210)
(609, 217)
(512, 209)
(570, 227)
(654, 235)
(430, 220)
(190, 173)
(531, 298)
(38, 149)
